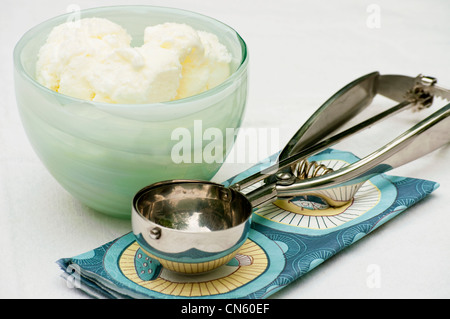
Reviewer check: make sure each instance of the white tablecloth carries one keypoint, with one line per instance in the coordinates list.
(301, 52)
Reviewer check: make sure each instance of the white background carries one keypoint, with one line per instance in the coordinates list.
(301, 52)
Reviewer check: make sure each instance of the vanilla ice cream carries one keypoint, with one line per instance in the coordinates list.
(92, 59)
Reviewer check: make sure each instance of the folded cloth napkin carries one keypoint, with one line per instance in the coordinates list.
(287, 239)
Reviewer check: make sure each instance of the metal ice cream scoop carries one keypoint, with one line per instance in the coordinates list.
(196, 226)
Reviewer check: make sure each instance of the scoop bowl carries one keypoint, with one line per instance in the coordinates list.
(190, 226)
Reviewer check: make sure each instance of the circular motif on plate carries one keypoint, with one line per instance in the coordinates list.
(250, 270)
(309, 213)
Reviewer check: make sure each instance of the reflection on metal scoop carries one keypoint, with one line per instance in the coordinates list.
(196, 226)
(190, 226)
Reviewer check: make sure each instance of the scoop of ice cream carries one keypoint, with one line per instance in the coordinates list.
(136, 75)
(205, 61)
(217, 58)
(74, 48)
(92, 59)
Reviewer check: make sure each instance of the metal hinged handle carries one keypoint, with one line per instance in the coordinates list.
(411, 92)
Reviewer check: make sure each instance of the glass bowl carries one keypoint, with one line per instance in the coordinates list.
(104, 153)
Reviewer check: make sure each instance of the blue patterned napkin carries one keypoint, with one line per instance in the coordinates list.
(287, 239)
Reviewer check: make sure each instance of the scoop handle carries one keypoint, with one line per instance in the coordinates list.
(339, 109)
(423, 138)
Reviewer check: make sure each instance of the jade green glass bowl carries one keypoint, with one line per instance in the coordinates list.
(104, 153)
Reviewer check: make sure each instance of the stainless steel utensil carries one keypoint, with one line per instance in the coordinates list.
(339, 187)
(190, 226)
(197, 226)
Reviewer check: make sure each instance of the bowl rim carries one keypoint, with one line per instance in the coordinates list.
(136, 212)
(18, 66)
